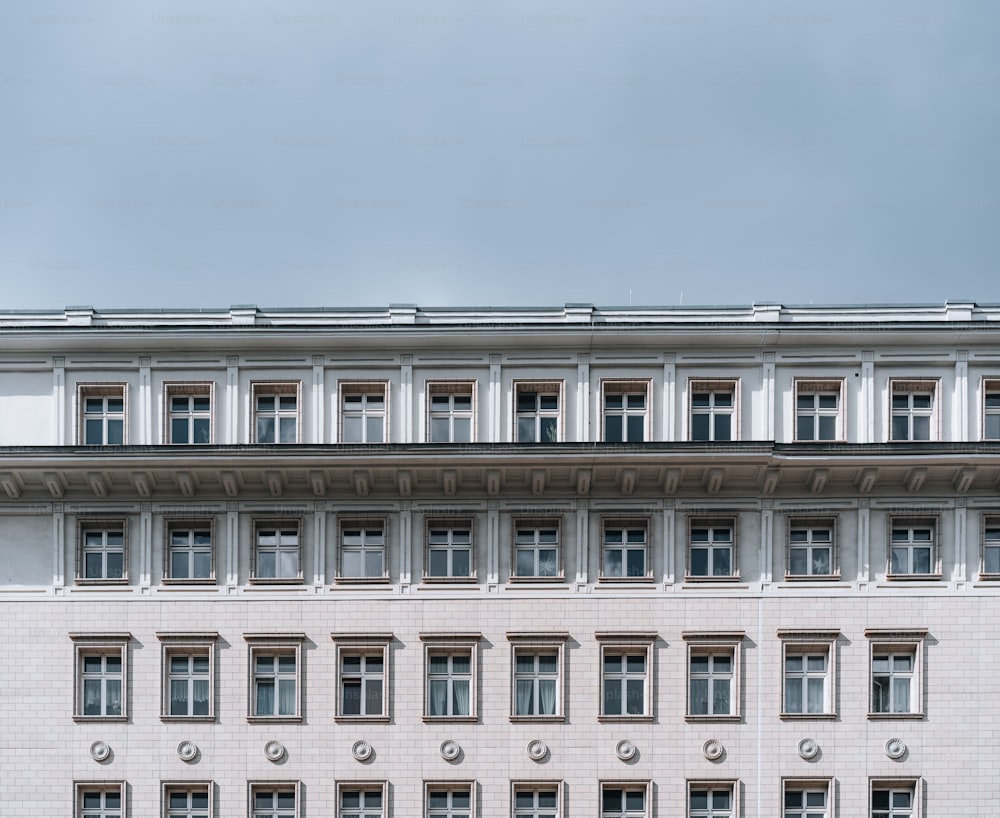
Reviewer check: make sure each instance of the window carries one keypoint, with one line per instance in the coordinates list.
(711, 799)
(275, 681)
(361, 800)
(536, 550)
(450, 799)
(102, 676)
(911, 551)
(187, 799)
(188, 676)
(537, 661)
(895, 798)
(363, 412)
(449, 551)
(98, 799)
(896, 673)
(274, 799)
(711, 549)
(533, 799)
(626, 799)
(276, 412)
(810, 549)
(450, 663)
(189, 551)
(807, 799)
(625, 553)
(102, 413)
(363, 663)
(625, 416)
(817, 410)
(277, 555)
(714, 676)
(991, 410)
(103, 555)
(626, 676)
(991, 548)
(189, 412)
(913, 410)
(450, 417)
(537, 411)
(713, 410)
(808, 659)
(362, 550)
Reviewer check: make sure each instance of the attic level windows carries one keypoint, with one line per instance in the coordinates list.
(189, 413)
(450, 411)
(363, 411)
(102, 414)
(991, 410)
(713, 410)
(538, 411)
(276, 412)
(625, 411)
(913, 410)
(817, 410)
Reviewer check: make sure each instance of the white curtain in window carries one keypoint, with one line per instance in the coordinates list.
(439, 698)
(547, 697)
(524, 697)
(461, 691)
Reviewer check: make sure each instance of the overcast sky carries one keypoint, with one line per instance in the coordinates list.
(518, 153)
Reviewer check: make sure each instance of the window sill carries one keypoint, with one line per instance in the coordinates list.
(700, 579)
(624, 580)
(366, 719)
(274, 719)
(199, 581)
(380, 580)
(812, 577)
(100, 581)
(913, 577)
(275, 581)
(895, 716)
(450, 719)
(553, 580)
(537, 719)
(187, 719)
(603, 718)
(692, 718)
(451, 580)
(808, 716)
(83, 719)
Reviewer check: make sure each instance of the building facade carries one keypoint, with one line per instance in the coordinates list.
(627, 563)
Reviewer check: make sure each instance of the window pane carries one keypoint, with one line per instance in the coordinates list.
(723, 427)
(699, 427)
(805, 427)
(613, 429)
(636, 428)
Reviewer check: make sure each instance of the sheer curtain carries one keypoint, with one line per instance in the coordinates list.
(439, 698)
(547, 697)
(524, 690)
(461, 693)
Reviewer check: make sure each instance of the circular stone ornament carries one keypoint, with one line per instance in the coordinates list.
(895, 748)
(361, 750)
(808, 748)
(274, 751)
(187, 751)
(625, 749)
(449, 749)
(100, 751)
(713, 749)
(537, 749)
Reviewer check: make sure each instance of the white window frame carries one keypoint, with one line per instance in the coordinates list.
(807, 643)
(87, 645)
(714, 386)
(367, 528)
(712, 786)
(189, 788)
(451, 787)
(892, 643)
(806, 786)
(188, 645)
(533, 528)
(190, 390)
(363, 788)
(626, 388)
(817, 389)
(451, 645)
(990, 408)
(713, 545)
(104, 526)
(364, 646)
(104, 392)
(276, 390)
(811, 525)
(626, 525)
(624, 786)
(625, 644)
(274, 787)
(892, 784)
(535, 645)
(540, 389)
(913, 523)
(535, 788)
(912, 387)
(713, 644)
(190, 549)
(989, 539)
(449, 389)
(283, 528)
(80, 788)
(452, 526)
(365, 413)
(276, 645)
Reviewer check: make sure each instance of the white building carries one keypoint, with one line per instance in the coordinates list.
(627, 563)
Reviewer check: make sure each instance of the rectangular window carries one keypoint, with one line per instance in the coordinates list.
(102, 556)
(537, 411)
(712, 799)
(625, 411)
(912, 552)
(537, 661)
(896, 673)
(277, 553)
(810, 550)
(189, 412)
(449, 551)
(189, 555)
(895, 798)
(713, 410)
(714, 676)
(808, 659)
(450, 666)
(275, 677)
(450, 799)
(817, 410)
(188, 675)
(101, 676)
(712, 549)
(363, 411)
(991, 549)
(807, 799)
(450, 415)
(534, 799)
(100, 799)
(536, 550)
(362, 550)
(626, 676)
(625, 552)
(361, 800)
(625, 799)
(913, 410)
(276, 412)
(187, 799)
(991, 410)
(274, 799)
(363, 663)
(102, 413)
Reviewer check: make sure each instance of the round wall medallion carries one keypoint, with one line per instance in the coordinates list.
(361, 750)
(100, 751)
(450, 750)
(808, 748)
(713, 749)
(274, 751)
(625, 749)
(187, 751)
(894, 748)
(537, 749)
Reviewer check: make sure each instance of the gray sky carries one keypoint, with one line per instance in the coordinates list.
(520, 153)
